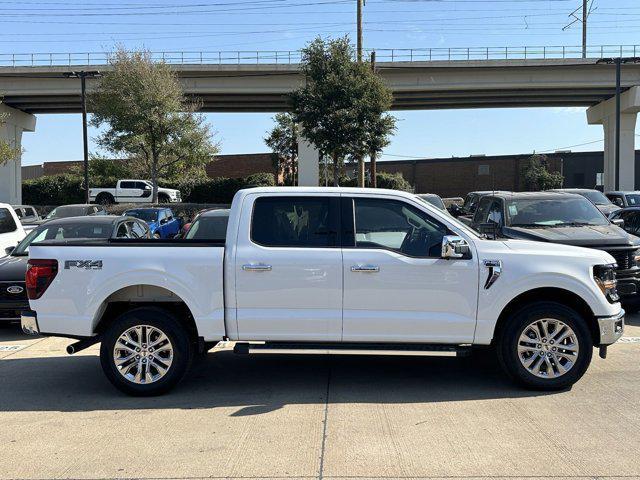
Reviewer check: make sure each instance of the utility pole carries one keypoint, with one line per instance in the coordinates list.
(585, 14)
(372, 162)
(361, 182)
(359, 29)
(82, 75)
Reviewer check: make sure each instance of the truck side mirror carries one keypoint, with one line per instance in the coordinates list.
(454, 246)
(455, 210)
(9, 250)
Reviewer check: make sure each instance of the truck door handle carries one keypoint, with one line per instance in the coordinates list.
(365, 268)
(256, 267)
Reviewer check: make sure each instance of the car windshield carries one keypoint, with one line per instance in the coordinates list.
(596, 197)
(208, 228)
(143, 214)
(434, 200)
(67, 211)
(553, 212)
(633, 199)
(62, 232)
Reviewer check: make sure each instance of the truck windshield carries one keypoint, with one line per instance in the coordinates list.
(143, 214)
(434, 200)
(553, 212)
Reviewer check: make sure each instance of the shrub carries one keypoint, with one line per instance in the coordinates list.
(393, 181)
(53, 190)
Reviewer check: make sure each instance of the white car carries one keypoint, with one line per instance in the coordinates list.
(327, 270)
(132, 191)
(11, 230)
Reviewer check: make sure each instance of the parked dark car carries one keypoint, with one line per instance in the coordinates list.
(209, 225)
(624, 199)
(433, 199)
(630, 216)
(564, 218)
(466, 212)
(161, 221)
(13, 295)
(594, 196)
(66, 211)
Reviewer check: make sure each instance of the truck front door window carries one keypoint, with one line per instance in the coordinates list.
(397, 226)
(7, 224)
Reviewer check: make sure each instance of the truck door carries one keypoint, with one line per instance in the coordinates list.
(288, 268)
(396, 286)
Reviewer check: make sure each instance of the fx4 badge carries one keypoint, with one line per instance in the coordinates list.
(83, 264)
(495, 269)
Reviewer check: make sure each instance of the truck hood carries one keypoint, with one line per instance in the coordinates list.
(541, 248)
(13, 269)
(167, 190)
(587, 236)
(608, 209)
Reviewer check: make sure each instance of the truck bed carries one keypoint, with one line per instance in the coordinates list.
(93, 273)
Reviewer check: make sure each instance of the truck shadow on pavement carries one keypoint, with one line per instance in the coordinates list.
(257, 384)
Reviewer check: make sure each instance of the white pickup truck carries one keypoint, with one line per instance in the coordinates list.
(132, 191)
(327, 270)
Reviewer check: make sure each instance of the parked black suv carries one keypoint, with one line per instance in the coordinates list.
(564, 218)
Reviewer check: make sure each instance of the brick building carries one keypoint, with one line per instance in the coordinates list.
(447, 177)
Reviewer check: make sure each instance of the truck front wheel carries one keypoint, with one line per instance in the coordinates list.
(545, 346)
(145, 351)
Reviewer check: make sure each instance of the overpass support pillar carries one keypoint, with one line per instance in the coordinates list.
(11, 130)
(604, 114)
(308, 164)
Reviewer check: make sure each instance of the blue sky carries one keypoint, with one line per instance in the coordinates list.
(96, 26)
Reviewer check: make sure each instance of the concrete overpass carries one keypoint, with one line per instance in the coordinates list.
(416, 85)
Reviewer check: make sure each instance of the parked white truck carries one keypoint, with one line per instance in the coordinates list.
(327, 270)
(132, 191)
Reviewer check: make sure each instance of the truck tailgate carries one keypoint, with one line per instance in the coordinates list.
(90, 276)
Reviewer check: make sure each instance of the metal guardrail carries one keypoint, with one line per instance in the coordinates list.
(288, 57)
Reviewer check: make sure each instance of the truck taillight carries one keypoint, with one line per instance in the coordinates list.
(40, 274)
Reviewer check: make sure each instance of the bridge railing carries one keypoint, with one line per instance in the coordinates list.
(286, 57)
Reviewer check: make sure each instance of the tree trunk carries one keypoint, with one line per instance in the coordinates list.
(373, 171)
(361, 182)
(154, 181)
(336, 172)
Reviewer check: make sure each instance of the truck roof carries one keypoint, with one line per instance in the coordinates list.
(549, 195)
(344, 190)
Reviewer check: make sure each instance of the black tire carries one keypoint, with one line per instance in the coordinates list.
(180, 341)
(162, 198)
(105, 198)
(508, 339)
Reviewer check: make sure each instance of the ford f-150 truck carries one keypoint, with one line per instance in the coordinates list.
(132, 191)
(327, 270)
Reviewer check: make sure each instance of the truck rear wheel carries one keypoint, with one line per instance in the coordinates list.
(545, 346)
(145, 352)
(105, 198)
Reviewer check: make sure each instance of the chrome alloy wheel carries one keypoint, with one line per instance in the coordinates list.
(143, 354)
(548, 348)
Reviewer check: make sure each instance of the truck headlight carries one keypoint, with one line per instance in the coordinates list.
(605, 277)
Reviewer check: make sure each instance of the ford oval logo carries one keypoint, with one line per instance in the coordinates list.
(15, 289)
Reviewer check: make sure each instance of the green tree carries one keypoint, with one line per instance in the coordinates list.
(340, 101)
(283, 142)
(537, 176)
(7, 152)
(148, 120)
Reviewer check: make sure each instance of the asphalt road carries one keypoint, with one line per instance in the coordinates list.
(315, 417)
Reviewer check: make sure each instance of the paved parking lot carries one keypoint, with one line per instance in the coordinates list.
(315, 417)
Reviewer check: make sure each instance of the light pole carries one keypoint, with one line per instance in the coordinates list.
(83, 75)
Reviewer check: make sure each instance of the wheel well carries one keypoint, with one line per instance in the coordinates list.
(137, 296)
(564, 297)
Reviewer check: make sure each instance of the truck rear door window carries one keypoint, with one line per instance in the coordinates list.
(295, 222)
